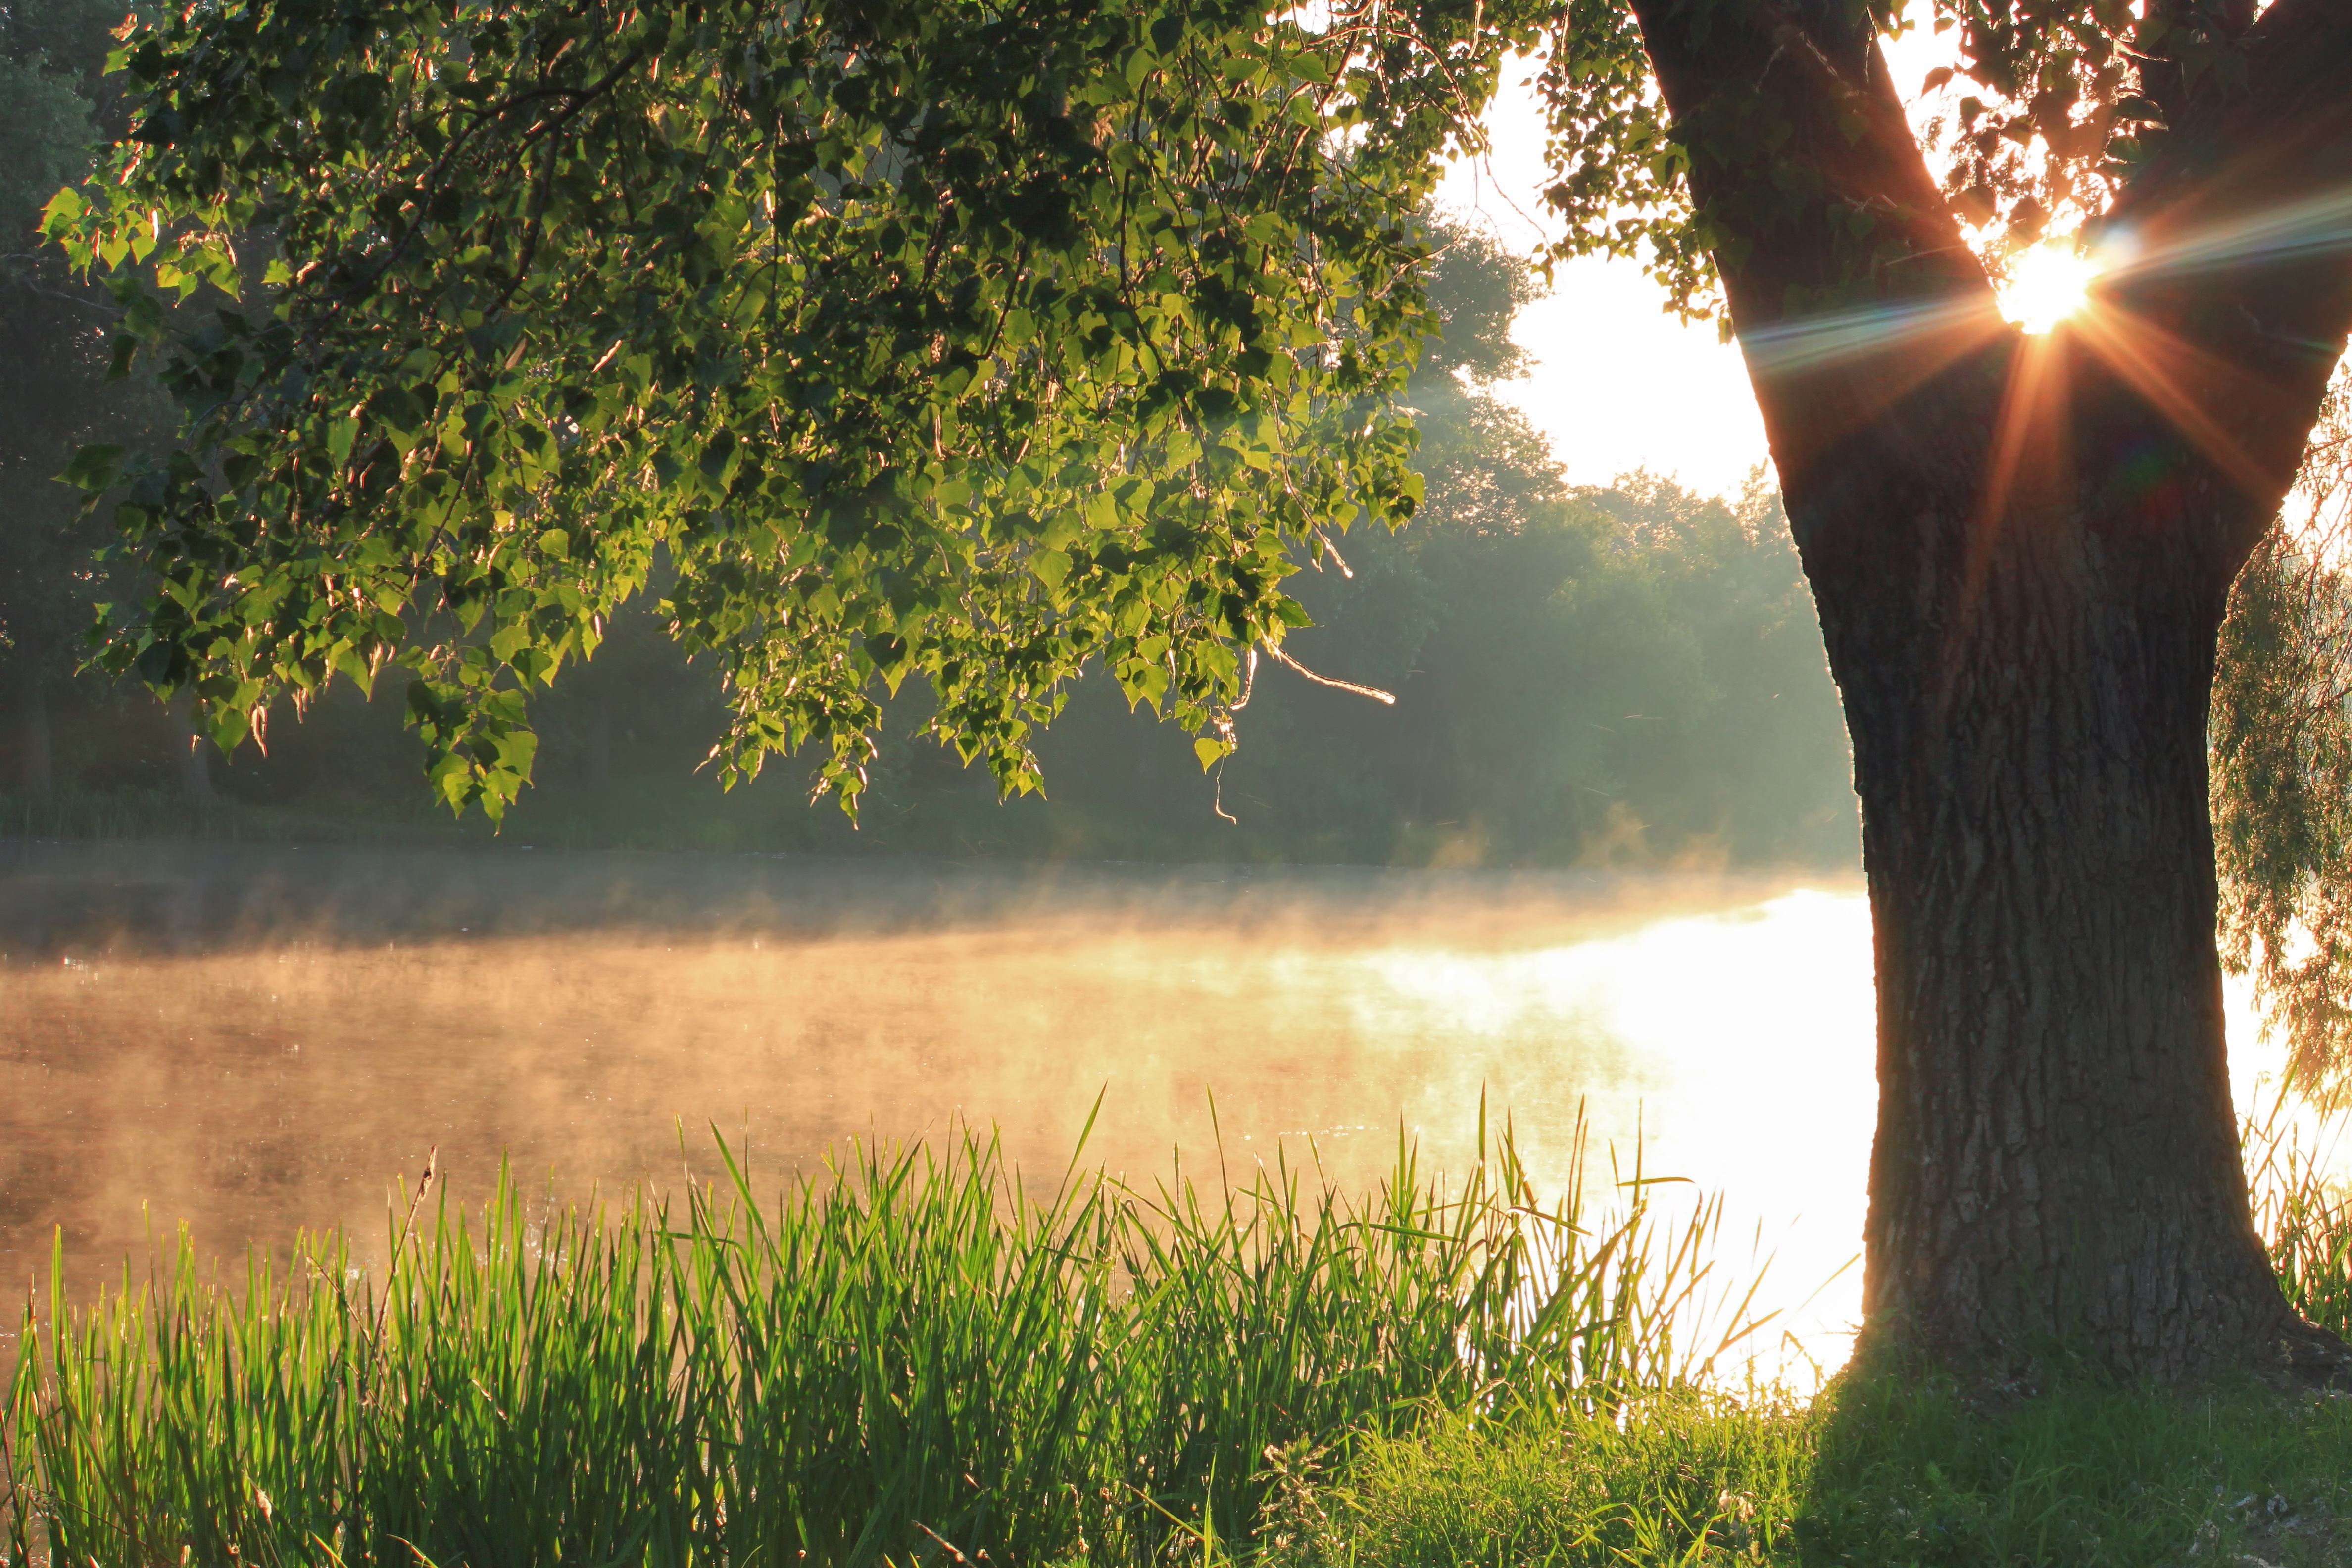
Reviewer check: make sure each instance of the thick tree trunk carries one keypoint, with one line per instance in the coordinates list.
(2057, 1152)
(2024, 642)
(2021, 551)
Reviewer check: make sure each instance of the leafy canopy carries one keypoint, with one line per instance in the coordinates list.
(965, 339)
(971, 341)
(2042, 113)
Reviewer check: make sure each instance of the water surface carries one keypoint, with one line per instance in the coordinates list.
(254, 1042)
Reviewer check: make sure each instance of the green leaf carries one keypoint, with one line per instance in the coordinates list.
(58, 216)
(94, 468)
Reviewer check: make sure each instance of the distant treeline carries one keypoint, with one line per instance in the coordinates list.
(1626, 675)
(1630, 676)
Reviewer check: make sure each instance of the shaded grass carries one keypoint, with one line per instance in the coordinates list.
(1884, 1472)
(2085, 1473)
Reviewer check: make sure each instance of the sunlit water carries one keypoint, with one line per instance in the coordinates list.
(300, 1032)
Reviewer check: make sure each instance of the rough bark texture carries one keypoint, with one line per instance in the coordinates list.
(2021, 551)
(2056, 1149)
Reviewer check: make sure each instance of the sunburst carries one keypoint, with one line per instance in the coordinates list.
(2047, 284)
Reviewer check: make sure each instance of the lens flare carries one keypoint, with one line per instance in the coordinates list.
(2046, 285)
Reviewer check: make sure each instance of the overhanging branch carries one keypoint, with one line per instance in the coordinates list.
(2238, 235)
(1850, 282)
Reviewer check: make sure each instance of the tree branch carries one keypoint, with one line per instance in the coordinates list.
(1850, 283)
(2238, 295)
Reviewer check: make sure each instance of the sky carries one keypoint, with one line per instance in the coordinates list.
(1619, 385)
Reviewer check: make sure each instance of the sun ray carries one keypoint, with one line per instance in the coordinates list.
(2023, 432)
(1930, 337)
(2158, 365)
(2024, 408)
(2318, 226)
(1816, 343)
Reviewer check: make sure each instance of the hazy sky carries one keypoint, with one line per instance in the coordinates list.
(1621, 385)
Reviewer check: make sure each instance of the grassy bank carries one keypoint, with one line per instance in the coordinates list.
(916, 1358)
(2085, 1475)
(1883, 1473)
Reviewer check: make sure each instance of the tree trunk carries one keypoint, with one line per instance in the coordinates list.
(2057, 1152)
(36, 769)
(2022, 550)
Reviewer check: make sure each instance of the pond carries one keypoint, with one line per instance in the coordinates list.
(250, 1042)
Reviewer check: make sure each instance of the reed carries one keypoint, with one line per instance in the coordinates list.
(911, 1356)
(70, 811)
(135, 814)
(2088, 1472)
(2304, 1216)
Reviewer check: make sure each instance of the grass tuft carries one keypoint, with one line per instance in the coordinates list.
(910, 1357)
(913, 1357)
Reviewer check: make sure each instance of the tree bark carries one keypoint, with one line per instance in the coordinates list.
(2057, 1153)
(2022, 549)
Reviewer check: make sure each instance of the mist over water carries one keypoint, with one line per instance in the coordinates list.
(256, 1042)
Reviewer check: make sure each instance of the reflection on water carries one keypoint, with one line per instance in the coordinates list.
(253, 1043)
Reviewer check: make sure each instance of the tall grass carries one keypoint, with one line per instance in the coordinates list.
(912, 1356)
(2304, 1216)
(915, 1357)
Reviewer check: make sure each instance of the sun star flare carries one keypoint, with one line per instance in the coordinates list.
(2047, 284)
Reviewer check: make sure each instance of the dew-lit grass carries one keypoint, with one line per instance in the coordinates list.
(916, 1355)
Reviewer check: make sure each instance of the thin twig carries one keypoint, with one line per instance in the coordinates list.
(1374, 692)
(392, 1275)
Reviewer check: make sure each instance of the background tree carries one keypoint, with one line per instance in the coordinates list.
(53, 341)
(938, 341)
(2282, 767)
